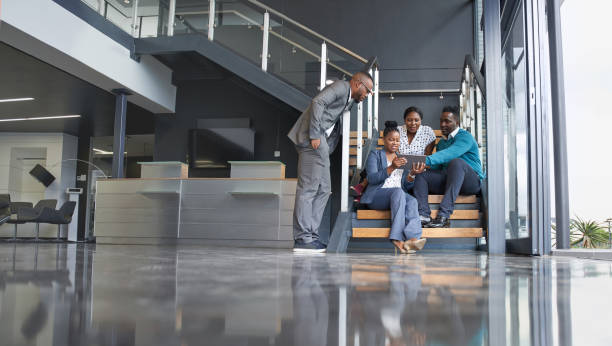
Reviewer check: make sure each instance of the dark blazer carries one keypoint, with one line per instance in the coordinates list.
(376, 166)
(324, 110)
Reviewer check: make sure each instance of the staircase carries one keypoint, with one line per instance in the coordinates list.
(370, 228)
(264, 47)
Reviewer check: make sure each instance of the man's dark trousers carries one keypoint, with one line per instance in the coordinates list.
(457, 178)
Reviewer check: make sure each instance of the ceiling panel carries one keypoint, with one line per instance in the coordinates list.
(57, 93)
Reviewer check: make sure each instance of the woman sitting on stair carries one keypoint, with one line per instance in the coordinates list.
(415, 139)
(387, 189)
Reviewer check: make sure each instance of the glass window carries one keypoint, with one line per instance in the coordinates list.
(515, 115)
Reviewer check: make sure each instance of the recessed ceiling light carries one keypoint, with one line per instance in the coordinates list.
(17, 100)
(41, 118)
(105, 152)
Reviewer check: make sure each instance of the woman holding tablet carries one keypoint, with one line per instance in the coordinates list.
(415, 139)
(387, 189)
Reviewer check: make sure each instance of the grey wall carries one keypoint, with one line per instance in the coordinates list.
(431, 105)
(226, 97)
(419, 44)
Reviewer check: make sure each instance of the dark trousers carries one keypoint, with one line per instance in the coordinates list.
(457, 178)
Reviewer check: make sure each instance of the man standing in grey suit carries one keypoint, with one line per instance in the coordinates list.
(316, 134)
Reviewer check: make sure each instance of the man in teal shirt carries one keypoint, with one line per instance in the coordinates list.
(455, 168)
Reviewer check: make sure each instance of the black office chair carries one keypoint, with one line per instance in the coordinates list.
(15, 206)
(29, 214)
(60, 217)
(5, 208)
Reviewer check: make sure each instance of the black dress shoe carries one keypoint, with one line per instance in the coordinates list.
(425, 220)
(439, 222)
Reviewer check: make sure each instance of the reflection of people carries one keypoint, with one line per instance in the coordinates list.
(315, 135)
(34, 323)
(455, 168)
(310, 305)
(404, 290)
(387, 189)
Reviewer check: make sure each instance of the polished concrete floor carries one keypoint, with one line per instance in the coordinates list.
(57, 294)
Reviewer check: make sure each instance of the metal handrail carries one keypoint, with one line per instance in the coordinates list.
(471, 64)
(420, 91)
(181, 17)
(301, 26)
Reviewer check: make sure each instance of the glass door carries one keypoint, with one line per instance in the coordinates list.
(524, 108)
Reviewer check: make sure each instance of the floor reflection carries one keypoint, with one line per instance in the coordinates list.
(57, 294)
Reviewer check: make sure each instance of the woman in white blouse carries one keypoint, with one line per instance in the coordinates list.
(388, 188)
(415, 139)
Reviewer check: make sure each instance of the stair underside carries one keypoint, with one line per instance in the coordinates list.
(227, 59)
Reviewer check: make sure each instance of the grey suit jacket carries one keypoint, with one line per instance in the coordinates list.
(324, 110)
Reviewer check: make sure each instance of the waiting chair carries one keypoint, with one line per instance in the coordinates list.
(5, 209)
(15, 206)
(60, 217)
(26, 213)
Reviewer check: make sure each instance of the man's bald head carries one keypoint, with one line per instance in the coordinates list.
(361, 86)
(363, 77)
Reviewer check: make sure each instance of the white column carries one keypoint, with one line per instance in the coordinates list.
(135, 18)
(370, 97)
(346, 133)
(369, 125)
(478, 115)
(171, 12)
(101, 7)
(376, 76)
(323, 65)
(264, 48)
(359, 134)
(211, 20)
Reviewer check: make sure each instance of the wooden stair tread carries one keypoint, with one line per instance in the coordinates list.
(353, 150)
(353, 141)
(367, 214)
(465, 199)
(383, 232)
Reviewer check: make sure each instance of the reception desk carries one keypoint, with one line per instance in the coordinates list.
(253, 212)
(231, 211)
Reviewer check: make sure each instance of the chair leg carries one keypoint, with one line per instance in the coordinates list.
(15, 233)
(58, 231)
(37, 230)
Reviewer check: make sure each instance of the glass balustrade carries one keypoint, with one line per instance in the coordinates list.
(293, 51)
(239, 28)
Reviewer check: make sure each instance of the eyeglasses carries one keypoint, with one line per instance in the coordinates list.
(370, 91)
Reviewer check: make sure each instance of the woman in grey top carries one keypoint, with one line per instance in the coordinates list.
(415, 139)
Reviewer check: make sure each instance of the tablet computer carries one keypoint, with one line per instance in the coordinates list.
(410, 159)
